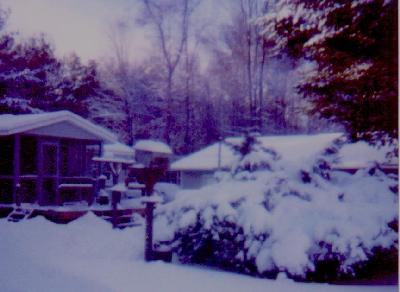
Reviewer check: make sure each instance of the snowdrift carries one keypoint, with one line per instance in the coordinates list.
(88, 255)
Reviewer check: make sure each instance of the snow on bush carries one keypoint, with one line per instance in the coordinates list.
(166, 190)
(266, 216)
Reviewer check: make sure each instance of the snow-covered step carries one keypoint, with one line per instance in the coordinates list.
(18, 215)
(123, 221)
(128, 224)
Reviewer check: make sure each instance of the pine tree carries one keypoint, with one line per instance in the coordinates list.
(26, 68)
(354, 47)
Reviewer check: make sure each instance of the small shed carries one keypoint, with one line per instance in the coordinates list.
(197, 169)
(46, 158)
(148, 152)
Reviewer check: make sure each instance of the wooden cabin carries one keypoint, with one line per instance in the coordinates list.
(46, 158)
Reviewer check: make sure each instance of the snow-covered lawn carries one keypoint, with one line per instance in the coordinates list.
(88, 255)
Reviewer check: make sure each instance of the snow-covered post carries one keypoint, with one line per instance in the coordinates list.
(148, 252)
(149, 214)
(18, 195)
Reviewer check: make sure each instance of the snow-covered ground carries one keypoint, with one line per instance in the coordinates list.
(88, 255)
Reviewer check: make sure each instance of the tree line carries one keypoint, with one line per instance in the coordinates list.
(274, 67)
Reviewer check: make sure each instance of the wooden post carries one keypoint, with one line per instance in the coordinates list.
(16, 166)
(58, 173)
(91, 194)
(100, 164)
(18, 195)
(115, 198)
(39, 181)
(101, 183)
(148, 249)
(114, 178)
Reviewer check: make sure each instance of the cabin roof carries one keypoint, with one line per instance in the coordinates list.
(293, 149)
(14, 124)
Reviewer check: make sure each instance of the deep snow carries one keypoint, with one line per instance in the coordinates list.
(88, 255)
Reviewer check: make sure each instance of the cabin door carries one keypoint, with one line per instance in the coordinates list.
(50, 172)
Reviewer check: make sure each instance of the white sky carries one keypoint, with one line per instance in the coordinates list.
(82, 26)
(79, 26)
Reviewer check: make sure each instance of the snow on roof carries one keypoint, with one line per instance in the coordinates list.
(293, 149)
(116, 152)
(152, 146)
(206, 158)
(117, 149)
(113, 159)
(13, 124)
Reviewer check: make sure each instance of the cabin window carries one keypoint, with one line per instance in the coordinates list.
(50, 159)
(6, 190)
(64, 159)
(49, 189)
(76, 160)
(28, 155)
(71, 157)
(6, 155)
(28, 190)
(91, 166)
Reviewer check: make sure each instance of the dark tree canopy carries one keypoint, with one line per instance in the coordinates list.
(354, 46)
(33, 78)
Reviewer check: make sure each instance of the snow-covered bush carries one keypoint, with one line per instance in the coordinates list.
(166, 191)
(267, 216)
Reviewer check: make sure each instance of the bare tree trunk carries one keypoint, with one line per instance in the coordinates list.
(168, 110)
(261, 89)
(245, 17)
(171, 56)
(119, 46)
(187, 101)
(129, 122)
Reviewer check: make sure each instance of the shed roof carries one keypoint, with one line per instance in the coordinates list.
(14, 124)
(293, 149)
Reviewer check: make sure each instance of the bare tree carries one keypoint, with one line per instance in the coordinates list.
(170, 21)
(117, 35)
(131, 83)
(242, 54)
